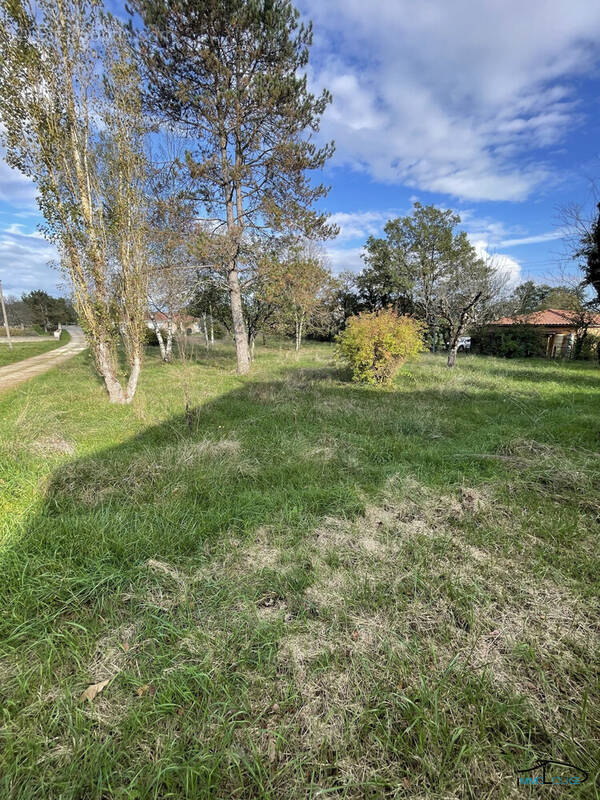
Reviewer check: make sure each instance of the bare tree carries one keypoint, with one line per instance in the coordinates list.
(71, 107)
(468, 285)
(172, 277)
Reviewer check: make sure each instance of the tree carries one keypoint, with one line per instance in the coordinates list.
(468, 284)
(46, 311)
(385, 281)
(18, 312)
(589, 249)
(526, 298)
(298, 284)
(229, 74)
(411, 260)
(172, 279)
(71, 108)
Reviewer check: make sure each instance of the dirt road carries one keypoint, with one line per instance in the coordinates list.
(14, 374)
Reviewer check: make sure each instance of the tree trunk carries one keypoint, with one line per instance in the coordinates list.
(169, 345)
(205, 329)
(434, 336)
(252, 338)
(134, 375)
(106, 367)
(161, 342)
(452, 355)
(237, 315)
(212, 326)
(299, 325)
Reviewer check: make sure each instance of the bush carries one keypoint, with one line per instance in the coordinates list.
(150, 337)
(516, 341)
(375, 345)
(590, 350)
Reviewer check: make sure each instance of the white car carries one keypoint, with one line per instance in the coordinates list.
(464, 343)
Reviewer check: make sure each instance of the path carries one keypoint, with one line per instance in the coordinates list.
(14, 374)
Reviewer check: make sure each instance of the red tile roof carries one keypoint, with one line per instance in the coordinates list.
(551, 316)
(160, 317)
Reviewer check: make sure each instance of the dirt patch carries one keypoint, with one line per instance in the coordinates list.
(51, 445)
(472, 603)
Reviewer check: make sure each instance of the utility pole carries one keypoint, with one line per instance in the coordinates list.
(5, 317)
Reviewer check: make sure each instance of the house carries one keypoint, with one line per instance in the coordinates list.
(181, 322)
(558, 325)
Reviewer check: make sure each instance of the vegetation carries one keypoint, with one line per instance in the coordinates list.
(425, 267)
(22, 350)
(517, 341)
(375, 345)
(70, 105)
(396, 595)
(38, 308)
(231, 75)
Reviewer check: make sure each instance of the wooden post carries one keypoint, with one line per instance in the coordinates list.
(5, 317)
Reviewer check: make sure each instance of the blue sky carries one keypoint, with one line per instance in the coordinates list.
(489, 107)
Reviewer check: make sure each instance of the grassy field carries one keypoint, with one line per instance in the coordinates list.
(21, 350)
(299, 587)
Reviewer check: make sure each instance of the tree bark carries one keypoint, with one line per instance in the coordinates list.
(169, 344)
(135, 368)
(299, 326)
(106, 367)
(452, 355)
(237, 314)
(158, 332)
(205, 330)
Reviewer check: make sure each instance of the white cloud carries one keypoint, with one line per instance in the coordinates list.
(24, 261)
(503, 263)
(452, 96)
(344, 259)
(361, 224)
(538, 239)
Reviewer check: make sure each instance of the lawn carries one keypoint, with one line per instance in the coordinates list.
(21, 350)
(297, 587)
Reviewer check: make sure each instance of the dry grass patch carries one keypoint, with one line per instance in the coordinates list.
(489, 611)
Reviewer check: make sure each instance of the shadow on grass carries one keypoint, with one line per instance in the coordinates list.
(275, 456)
(280, 454)
(580, 375)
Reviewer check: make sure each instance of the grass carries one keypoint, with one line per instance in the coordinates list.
(300, 587)
(22, 350)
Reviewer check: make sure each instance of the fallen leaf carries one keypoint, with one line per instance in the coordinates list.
(272, 753)
(125, 646)
(354, 635)
(147, 688)
(93, 690)
(275, 708)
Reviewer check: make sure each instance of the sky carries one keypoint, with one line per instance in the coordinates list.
(491, 108)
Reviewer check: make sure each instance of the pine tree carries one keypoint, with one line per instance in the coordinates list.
(226, 74)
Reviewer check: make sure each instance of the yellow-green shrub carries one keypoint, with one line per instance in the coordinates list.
(375, 345)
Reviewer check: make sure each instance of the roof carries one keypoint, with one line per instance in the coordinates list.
(160, 317)
(550, 316)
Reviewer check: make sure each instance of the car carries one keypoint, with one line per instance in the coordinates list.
(464, 343)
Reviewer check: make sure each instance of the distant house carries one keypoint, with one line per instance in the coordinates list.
(182, 323)
(558, 325)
